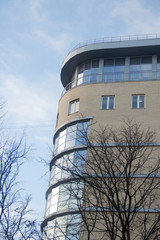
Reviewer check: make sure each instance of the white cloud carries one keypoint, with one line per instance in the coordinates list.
(56, 43)
(25, 103)
(135, 17)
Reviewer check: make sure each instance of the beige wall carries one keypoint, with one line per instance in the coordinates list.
(90, 103)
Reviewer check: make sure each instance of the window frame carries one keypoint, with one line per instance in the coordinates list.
(108, 102)
(138, 101)
(75, 105)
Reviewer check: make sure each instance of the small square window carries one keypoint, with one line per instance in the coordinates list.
(74, 106)
(138, 101)
(108, 102)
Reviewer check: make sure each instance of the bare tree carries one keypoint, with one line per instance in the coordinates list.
(121, 183)
(16, 220)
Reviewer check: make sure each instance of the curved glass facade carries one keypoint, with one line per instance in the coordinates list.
(138, 68)
(62, 228)
(60, 197)
(70, 136)
(71, 161)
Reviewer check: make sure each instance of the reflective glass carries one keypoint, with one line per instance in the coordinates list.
(111, 102)
(94, 78)
(108, 69)
(73, 227)
(60, 230)
(80, 79)
(52, 175)
(107, 102)
(141, 101)
(62, 137)
(158, 70)
(71, 136)
(138, 101)
(81, 138)
(108, 77)
(86, 79)
(134, 101)
(119, 61)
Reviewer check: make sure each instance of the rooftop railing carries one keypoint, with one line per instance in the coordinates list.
(116, 39)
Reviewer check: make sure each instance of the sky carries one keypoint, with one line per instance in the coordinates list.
(35, 38)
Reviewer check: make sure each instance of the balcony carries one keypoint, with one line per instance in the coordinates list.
(113, 77)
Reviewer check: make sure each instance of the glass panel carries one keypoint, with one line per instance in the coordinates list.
(52, 173)
(95, 63)
(73, 227)
(108, 69)
(71, 136)
(109, 62)
(146, 75)
(134, 101)
(50, 230)
(82, 129)
(119, 76)
(81, 68)
(57, 175)
(119, 61)
(94, 78)
(67, 164)
(80, 160)
(63, 198)
(108, 77)
(62, 137)
(111, 102)
(141, 101)
(104, 102)
(158, 59)
(86, 79)
(74, 106)
(80, 79)
(56, 144)
(71, 107)
(134, 76)
(135, 61)
(87, 72)
(135, 67)
(53, 208)
(146, 60)
(60, 230)
(87, 65)
(48, 202)
(77, 106)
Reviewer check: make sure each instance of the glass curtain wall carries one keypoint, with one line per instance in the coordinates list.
(140, 68)
(113, 69)
(88, 72)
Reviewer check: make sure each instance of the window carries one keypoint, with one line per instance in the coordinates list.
(113, 69)
(74, 106)
(71, 136)
(141, 68)
(138, 101)
(88, 72)
(108, 102)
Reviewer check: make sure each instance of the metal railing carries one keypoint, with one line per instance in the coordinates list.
(116, 39)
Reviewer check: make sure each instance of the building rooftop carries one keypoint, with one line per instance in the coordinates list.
(108, 47)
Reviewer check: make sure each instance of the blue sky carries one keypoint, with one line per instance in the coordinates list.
(35, 37)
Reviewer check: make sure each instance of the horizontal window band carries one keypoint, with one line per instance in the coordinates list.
(71, 212)
(70, 123)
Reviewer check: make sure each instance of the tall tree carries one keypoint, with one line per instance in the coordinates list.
(121, 183)
(16, 220)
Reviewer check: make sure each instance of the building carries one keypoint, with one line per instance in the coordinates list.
(104, 80)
